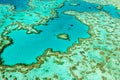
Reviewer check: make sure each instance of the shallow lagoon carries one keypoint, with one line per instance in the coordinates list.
(27, 47)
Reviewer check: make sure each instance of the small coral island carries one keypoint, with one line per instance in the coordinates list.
(63, 36)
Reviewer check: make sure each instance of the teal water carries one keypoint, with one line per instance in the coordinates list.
(18, 4)
(81, 7)
(112, 11)
(92, 7)
(27, 47)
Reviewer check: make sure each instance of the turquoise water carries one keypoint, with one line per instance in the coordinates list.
(19, 4)
(27, 47)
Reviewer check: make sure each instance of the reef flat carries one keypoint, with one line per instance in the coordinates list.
(94, 58)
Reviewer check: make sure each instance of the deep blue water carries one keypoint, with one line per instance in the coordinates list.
(112, 11)
(27, 47)
(19, 4)
(82, 7)
(92, 7)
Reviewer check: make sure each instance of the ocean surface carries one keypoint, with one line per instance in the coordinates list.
(18, 4)
(27, 47)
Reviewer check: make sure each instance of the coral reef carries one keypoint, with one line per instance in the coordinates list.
(93, 58)
(63, 36)
(11, 20)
